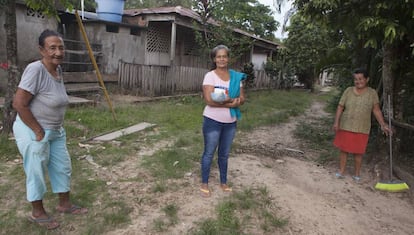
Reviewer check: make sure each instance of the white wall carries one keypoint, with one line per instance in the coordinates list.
(116, 46)
(258, 60)
(29, 27)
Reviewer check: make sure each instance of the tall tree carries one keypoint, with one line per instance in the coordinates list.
(377, 29)
(248, 15)
(46, 6)
(380, 24)
(13, 71)
(307, 44)
(218, 33)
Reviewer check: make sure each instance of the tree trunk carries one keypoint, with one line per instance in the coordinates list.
(13, 73)
(400, 84)
(389, 81)
(387, 78)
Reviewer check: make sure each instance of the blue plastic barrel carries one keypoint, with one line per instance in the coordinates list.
(110, 10)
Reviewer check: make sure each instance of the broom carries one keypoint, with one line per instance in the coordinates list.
(391, 185)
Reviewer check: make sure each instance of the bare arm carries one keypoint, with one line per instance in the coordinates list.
(380, 119)
(21, 103)
(338, 114)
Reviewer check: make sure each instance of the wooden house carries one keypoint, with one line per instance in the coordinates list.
(152, 52)
(171, 38)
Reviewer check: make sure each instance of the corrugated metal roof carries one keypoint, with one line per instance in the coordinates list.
(187, 13)
(164, 10)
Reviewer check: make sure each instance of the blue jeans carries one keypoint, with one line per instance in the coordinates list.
(221, 135)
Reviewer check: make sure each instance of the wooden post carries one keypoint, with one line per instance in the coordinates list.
(95, 65)
(173, 41)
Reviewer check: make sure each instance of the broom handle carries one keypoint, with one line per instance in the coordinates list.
(389, 134)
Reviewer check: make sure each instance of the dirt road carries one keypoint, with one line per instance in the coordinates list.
(308, 195)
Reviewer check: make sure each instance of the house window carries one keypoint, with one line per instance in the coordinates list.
(158, 39)
(112, 28)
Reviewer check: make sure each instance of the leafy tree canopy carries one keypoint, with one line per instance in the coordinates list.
(307, 43)
(89, 5)
(248, 15)
(374, 22)
(49, 7)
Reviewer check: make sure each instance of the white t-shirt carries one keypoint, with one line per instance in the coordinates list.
(217, 113)
(49, 95)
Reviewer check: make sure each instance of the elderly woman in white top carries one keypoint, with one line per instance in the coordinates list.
(40, 102)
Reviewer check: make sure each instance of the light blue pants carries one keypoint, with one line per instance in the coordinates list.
(50, 154)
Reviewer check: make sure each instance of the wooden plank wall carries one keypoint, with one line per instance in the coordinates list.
(261, 80)
(152, 80)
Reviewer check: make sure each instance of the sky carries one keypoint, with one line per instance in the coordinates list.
(278, 17)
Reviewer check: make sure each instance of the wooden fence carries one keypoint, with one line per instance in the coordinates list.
(262, 81)
(152, 80)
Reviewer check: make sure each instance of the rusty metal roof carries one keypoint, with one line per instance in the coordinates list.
(182, 11)
(164, 10)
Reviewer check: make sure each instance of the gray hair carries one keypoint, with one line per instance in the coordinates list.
(213, 54)
(217, 48)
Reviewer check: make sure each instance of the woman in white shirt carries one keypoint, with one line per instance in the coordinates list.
(220, 116)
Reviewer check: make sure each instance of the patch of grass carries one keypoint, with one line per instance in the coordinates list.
(159, 225)
(271, 107)
(178, 121)
(117, 154)
(171, 211)
(162, 223)
(271, 222)
(208, 226)
(170, 163)
(314, 132)
(240, 212)
(318, 135)
(83, 187)
(159, 187)
(8, 149)
(227, 219)
(117, 213)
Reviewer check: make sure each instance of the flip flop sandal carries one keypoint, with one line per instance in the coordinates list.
(356, 178)
(339, 176)
(225, 188)
(74, 210)
(205, 192)
(49, 223)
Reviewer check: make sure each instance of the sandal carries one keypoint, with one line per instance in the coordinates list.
(225, 188)
(73, 210)
(356, 178)
(49, 223)
(339, 176)
(205, 192)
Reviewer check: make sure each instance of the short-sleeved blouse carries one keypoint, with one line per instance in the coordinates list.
(356, 116)
(49, 95)
(219, 114)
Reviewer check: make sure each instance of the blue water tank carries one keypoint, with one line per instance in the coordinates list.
(110, 10)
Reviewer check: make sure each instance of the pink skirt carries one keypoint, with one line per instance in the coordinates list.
(351, 142)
